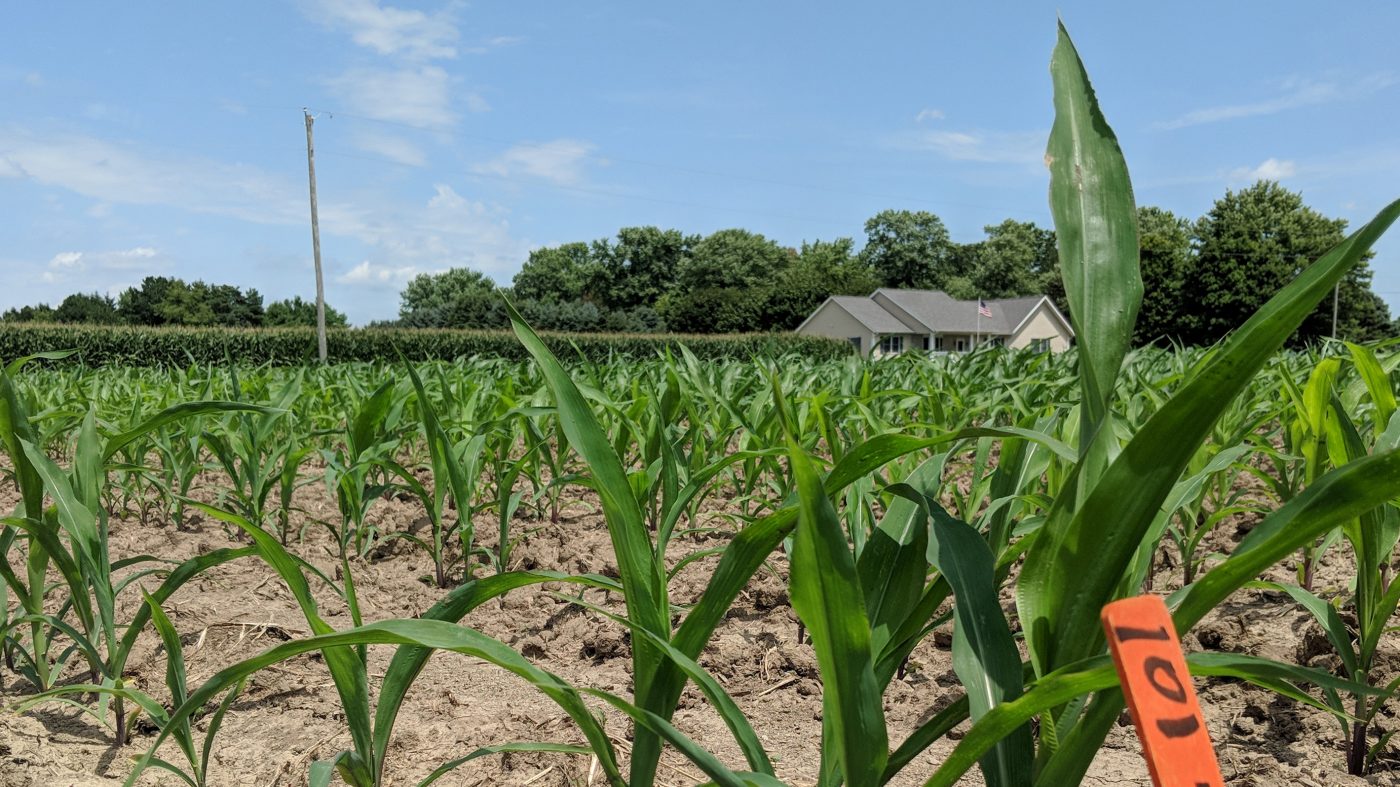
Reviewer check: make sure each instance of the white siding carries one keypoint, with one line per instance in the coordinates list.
(834, 322)
(1042, 324)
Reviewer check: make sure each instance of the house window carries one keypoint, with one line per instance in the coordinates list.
(996, 341)
(855, 342)
(960, 345)
(892, 344)
(938, 343)
(1040, 345)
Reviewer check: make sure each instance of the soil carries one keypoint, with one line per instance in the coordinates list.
(290, 715)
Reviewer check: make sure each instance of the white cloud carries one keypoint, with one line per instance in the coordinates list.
(369, 273)
(9, 168)
(137, 257)
(989, 147)
(440, 230)
(448, 231)
(475, 103)
(1296, 93)
(1270, 169)
(118, 174)
(928, 114)
(389, 30)
(396, 149)
(66, 260)
(65, 265)
(417, 96)
(492, 44)
(560, 161)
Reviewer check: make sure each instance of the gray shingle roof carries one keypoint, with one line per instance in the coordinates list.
(870, 314)
(942, 314)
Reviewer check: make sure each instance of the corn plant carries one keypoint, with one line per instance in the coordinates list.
(355, 469)
(455, 469)
(344, 654)
(1372, 538)
(70, 537)
(251, 451)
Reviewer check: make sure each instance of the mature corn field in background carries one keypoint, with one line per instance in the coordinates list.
(1002, 496)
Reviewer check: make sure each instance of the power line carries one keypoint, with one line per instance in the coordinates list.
(608, 159)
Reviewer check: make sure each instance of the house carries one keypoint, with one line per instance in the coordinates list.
(890, 321)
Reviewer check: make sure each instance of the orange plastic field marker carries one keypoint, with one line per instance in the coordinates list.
(1162, 702)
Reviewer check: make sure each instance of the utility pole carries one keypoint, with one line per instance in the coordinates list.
(1337, 288)
(316, 242)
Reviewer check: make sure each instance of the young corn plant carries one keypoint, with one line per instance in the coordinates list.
(455, 471)
(70, 538)
(251, 451)
(371, 723)
(1372, 538)
(355, 470)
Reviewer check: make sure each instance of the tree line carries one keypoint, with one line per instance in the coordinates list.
(1201, 278)
(161, 300)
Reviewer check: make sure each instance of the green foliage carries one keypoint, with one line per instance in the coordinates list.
(1017, 258)
(1166, 260)
(160, 300)
(909, 249)
(430, 296)
(556, 273)
(91, 309)
(730, 258)
(712, 310)
(296, 311)
(639, 268)
(1255, 241)
(178, 347)
(37, 313)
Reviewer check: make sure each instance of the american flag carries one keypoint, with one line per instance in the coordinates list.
(983, 309)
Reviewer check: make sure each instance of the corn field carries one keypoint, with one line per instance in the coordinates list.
(983, 506)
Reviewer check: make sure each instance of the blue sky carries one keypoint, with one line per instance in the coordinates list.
(145, 138)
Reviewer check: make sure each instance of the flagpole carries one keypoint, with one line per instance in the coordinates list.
(978, 337)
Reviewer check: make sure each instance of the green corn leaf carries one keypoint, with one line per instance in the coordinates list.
(1091, 200)
(893, 566)
(723, 704)
(1073, 568)
(347, 669)
(1052, 690)
(1339, 496)
(697, 754)
(409, 660)
(170, 415)
(826, 595)
(1325, 614)
(433, 634)
(643, 576)
(984, 654)
(1377, 382)
(174, 674)
(502, 748)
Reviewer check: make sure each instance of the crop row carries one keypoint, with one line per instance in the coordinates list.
(117, 345)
